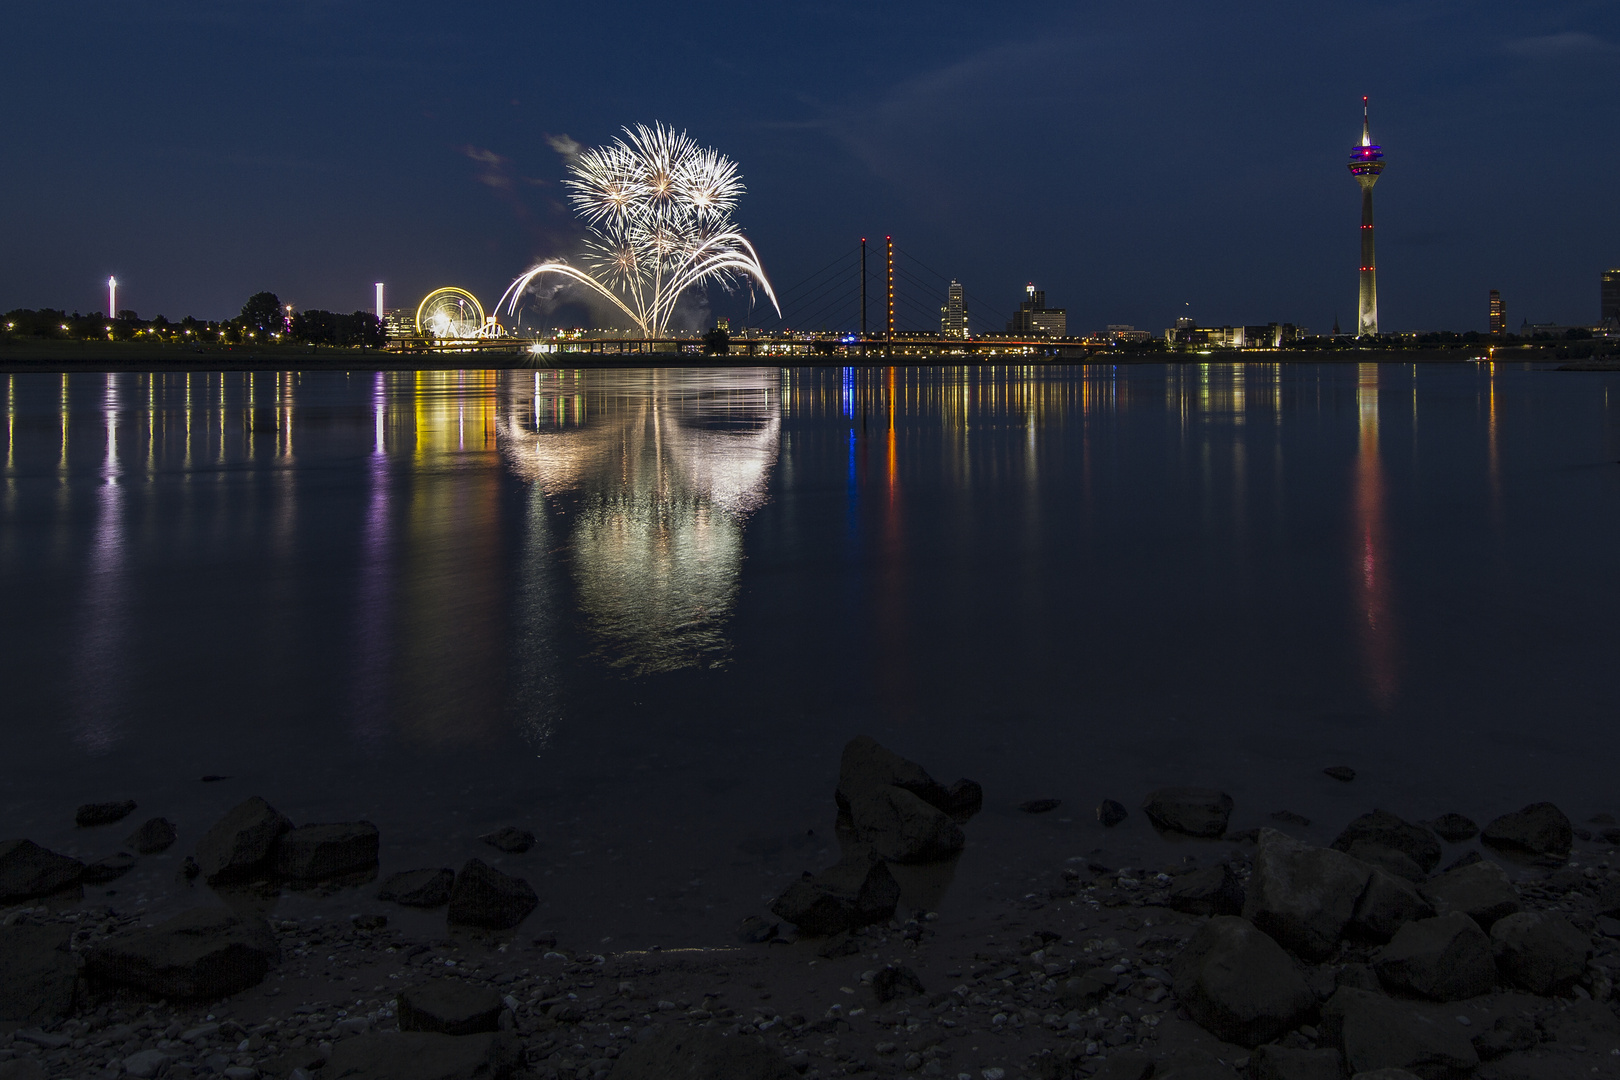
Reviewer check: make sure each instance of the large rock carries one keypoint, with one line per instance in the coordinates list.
(199, 954)
(1386, 859)
(1446, 958)
(1388, 904)
(852, 894)
(241, 842)
(483, 896)
(683, 1053)
(1213, 890)
(450, 1007)
(418, 1055)
(1376, 1032)
(158, 834)
(428, 888)
(1454, 828)
(1540, 951)
(28, 871)
(1479, 890)
(1539, 829)
(319, 852)
(1301, 895)
(1286, 1063)
(37, 974)
(901, 827)
(103, 813)
(1193, 811)
(1386, 830)
(868, 766)
(108, 868)
(1239, 984)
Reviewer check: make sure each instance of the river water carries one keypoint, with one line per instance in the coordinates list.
(639, 611)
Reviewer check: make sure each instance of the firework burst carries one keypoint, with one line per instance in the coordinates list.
(658, 209)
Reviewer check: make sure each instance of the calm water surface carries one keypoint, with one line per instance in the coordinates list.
(639, 612)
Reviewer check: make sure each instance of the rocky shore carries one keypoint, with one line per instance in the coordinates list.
(1434, 949)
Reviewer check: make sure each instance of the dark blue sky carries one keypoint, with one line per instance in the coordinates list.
(1137, 160)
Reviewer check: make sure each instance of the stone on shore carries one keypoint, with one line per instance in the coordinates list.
(1202, 812)
(450, 1007)
(241, 842)
(420, 1055)
(1212, 890)
(1087, 989)
(1388, 904)
(1509, 1035)
(1342, 773)
(902, 827)
(510, 839)
(146, 1064)
(428, 888)
(1386, 1074)
(844, 897)
(37, 974)
(1303, 896)
(896, 980)
(1540, 951)
(1446, 958)
(867, 766)
(1039, 806)
(197, 955)
(108, 868)
(103, 813)
(158, 834)
(1454, 828)
(1377, 1032)
(483, 896)
(1384, 829)
(1239, 984)
(963, 799)
(1539, 829)
(28, 871)
(1111, 813)
(1286, 1063)
(320, 852)
(683, 1053)
(1480, 890)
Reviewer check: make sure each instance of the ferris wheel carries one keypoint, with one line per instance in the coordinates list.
(451, 314)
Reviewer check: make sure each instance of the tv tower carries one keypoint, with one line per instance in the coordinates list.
(1366, 162)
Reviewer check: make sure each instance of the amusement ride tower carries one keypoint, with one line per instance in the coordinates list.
(1366, 162)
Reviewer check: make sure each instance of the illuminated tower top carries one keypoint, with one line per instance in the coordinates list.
(1366, 159)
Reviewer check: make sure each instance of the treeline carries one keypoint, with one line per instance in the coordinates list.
(263, 320)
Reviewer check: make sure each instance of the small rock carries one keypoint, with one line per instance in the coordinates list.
(1342, 773)
(963, 799)
(419, 888)
(1540, 951)
(241, 842)
(109, 868)
(1386, 1074)
(146, 1064)
(1125, 1065)
(313, 853)
(902, 827)
(1480, 890)
(896, 981)
(1039, 806)
(849, 895)
(1283, 1063)
(1087, 989)
(1388, 904)
(1288, 817)
(1239, 984)
(24, 1068)
(1446, 958)
(1110, 813)
(756, 931)
(483, 896)
(420, 1055)
(203, 953)
(1385, 829)
(1212, 890)
(866, 767)
(37, 974)
(449, 1007)
(1453, 828)
(158, 834)
(28, 871)
(1193, 811)
(1539, 829)
(1376, 1032)
(1301, 895)
(1510, 1035)
(680, 1052)
(103, 813)
(510, 839)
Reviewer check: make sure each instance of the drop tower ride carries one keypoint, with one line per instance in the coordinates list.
(1366, 163)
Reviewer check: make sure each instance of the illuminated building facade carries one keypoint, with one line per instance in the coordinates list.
(399, 323)
(1609, 299)
(1498, 313)
(1269, 336)
(1366, 165)
(1034, 319)
(953, 316)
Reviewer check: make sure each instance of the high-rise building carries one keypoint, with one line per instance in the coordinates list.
(1034, 319)
(1366, 163)
(1498, 313)
(1609, 299)
(953, 321)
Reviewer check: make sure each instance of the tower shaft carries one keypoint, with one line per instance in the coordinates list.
(1367, 317)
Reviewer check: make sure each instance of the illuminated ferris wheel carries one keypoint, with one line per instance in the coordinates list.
(452, 314)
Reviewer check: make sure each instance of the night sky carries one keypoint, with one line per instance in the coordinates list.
(1139, 161)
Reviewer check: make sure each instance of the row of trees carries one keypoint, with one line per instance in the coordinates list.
(263, 320)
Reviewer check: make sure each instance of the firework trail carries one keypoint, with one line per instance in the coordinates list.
(658, 209)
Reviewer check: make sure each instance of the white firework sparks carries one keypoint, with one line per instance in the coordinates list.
(658, 207)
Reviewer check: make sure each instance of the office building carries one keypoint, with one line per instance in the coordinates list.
(1034, 319)
(953, 322)
(1498, 313)
(1609, 298)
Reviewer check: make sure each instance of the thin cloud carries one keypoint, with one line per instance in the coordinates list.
(1568, 43)
(564, 145)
